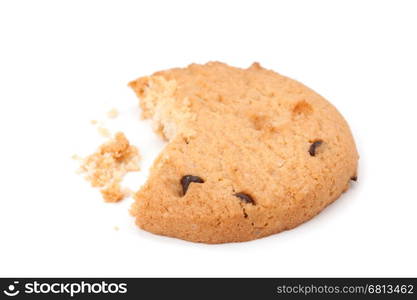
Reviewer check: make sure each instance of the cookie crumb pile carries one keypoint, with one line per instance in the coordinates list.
(107, 167)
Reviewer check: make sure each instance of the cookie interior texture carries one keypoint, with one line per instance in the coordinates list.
(265, 153)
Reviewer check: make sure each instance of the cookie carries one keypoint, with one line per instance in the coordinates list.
(250, 153)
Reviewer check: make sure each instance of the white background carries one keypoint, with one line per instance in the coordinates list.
(63, 63)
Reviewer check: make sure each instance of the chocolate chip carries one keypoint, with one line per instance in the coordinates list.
(187, 179)
(354, 178)
(245, 198)
(313, 147)
(245, 215)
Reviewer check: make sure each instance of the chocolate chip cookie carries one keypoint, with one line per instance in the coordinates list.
(250, 153)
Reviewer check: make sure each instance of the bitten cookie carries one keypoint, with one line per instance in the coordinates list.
(250, 153)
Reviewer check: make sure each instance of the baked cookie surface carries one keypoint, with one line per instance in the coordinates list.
(250, 153)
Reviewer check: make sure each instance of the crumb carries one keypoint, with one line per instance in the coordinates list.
(107, 167)
(113, 192)
(93, 122)
(76, 157)
(116, 228)
(112, 114)
(103, 131)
